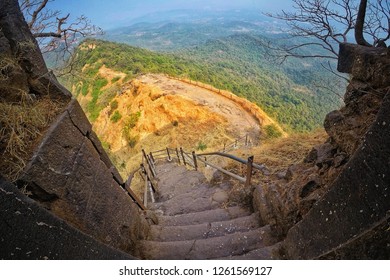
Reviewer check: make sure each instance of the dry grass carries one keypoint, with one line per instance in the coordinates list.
(8, 64)
(278, 154)
(21, 124)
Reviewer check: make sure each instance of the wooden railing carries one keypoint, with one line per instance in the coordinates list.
(194, 160)
(148, 170)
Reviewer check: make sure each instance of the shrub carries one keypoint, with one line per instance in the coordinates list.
(132, 140)
(132, 120)
(201, 146)
(272, 131)
(115, 79)
(175, 123)
(84, 89)
(106, 146)
(94, 108)
(113, 106)
(116, 117)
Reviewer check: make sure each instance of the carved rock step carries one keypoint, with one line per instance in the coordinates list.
(180, 181)
(203, 217)
(230, 245)
(266, 253)
(199, 198)
(203, 231)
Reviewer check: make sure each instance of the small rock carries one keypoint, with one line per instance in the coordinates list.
(332, 119)
(311, 157)
(220, 196)
(289, 173)
(340, 159)
(281, 174)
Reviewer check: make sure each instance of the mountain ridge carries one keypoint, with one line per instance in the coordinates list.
(272, 89)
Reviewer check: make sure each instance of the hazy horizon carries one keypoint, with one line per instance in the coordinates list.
(123, 12)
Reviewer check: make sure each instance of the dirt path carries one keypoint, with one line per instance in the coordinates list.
(240, 120)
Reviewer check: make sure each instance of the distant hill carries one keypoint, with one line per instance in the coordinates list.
(226, 49)
(238, 64)
(174, 30)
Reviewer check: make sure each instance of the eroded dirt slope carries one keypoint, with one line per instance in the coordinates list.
(154, 112)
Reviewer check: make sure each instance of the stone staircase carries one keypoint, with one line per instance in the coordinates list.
(195, 223)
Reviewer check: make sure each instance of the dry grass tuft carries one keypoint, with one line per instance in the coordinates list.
(21, 124)
(278, 154)
(7, 65)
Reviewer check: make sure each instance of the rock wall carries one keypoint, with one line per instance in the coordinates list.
(356, 204)
(71, 175)
(29, 232)
(335, 203)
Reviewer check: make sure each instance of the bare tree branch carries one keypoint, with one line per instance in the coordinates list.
(359, 37)
(53, 32)
(36, 13)
(327, 23)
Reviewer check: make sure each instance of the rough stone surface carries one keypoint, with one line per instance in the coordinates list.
(23, 69)
(229, 245)
(358, 199)
(204, 230)
(194, 223)
(339, 175)
(366, 64)
(72, 177)
(266, 253)
(28, 231)
(219, 214)
(374, 243)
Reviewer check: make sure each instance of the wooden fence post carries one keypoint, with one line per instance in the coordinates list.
(149, 163)
(169, 155)
(195, 161)
(182, 155)
(146, 193)
(249, 167)
(246, 140)
(178, 157)
(151, 157)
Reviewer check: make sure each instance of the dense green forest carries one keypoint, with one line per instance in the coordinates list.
(237, 63)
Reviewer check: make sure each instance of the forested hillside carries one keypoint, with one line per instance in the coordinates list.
(238, 63)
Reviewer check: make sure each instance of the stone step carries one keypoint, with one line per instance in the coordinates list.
(266, 253)
(200, 249)
(204, 230)
(209, 216)
(179, 182)
(200, 198)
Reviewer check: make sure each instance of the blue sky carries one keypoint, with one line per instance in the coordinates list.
(114, 13)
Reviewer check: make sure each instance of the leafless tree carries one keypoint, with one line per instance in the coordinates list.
(56, 33)
(327, 23)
